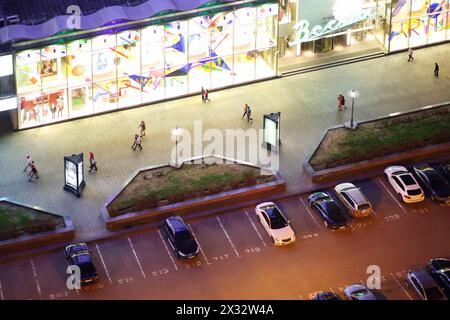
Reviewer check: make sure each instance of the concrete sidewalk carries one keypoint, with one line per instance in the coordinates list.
(308, 105)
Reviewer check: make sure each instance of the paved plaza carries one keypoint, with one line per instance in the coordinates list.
(308, 105)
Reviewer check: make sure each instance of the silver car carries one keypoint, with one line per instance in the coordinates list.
(354, 200)
(424, 285)
(359, 292)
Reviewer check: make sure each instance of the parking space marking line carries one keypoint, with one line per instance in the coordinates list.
(228, 237)
(201, 250)
(136, 256)
(254, 227)
(310, 213)
(331, 289)
(167, 249)
(1, 292)
(398, 282)
(103, 262)
(390, 193)
(33, 267)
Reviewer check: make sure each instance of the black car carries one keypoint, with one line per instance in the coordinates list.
(180, 238)
(328, 209)
(326, 296)
(435, 183)
(78, 254)
(439, 269)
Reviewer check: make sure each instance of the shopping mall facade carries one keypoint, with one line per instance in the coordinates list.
(117, 58)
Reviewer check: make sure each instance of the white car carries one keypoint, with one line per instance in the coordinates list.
(404, 184)
(275, 223)
(358, 292)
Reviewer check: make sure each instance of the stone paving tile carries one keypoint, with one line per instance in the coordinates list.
(308, 105)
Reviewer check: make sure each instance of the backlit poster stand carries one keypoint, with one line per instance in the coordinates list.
(74, 174)
(271, 126)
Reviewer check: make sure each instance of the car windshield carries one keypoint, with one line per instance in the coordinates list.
(183, 236)
(333, 211)
(359, 293)
(364, 206)
(414, 192)
(277, 221)
(407, 179)
(433, 293)
(436, 181)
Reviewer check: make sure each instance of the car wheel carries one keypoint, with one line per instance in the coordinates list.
(258, 218)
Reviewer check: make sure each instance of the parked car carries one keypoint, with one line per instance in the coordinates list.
(77, 254)
(330, 212)
(404, 184)
(275, 223)
(424, 285)
(180, 238)
(439, 269)
(445, 166)
(354, 200)
(326, 296)
(436, 184)
(359, 292)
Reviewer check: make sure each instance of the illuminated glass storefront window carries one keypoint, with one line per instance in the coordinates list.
(112, 71)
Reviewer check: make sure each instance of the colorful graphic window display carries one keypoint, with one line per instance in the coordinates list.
(124, 69)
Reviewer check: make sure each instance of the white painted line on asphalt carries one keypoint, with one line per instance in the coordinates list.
(103, 262)
(137, 258)
(254, 227)
(167, 249)
(331, 289)
(398, 282)
(1, 292)
(33, 267)
(201, 250)
(228, 237)
(390, 193)
(309, 211)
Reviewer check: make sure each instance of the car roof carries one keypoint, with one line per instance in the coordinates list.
(356, 195)
(177, 224)
(424, 278)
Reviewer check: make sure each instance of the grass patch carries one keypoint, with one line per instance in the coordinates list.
(150, 187)
(383, 137)
(16, 221)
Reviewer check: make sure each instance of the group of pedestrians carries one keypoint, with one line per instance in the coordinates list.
(411, 59)
(138, 137)
(247, 112)
(205, 95)
(33, 170)
(341, 102)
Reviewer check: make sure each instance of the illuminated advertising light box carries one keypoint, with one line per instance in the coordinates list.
(271, 126)
(74, 174)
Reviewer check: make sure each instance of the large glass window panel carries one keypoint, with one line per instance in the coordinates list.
(52, 66)
(437, 27)
(245, 30)
(54, 105)
(104, 57)
(266, 31)
(399, 35)
(266, 63)
(221, 30)
(28, 76)
(130, 91)
(400, 9)
(418, 31)
(128, 53)
(30, 106)
(79, 63)
(80, 101)
(199, 75)
(175, 43)
(222, 72)
(105, 96)
(199, 45)
(152, 48)
(244, 66)
(152, 83)
(176, 79)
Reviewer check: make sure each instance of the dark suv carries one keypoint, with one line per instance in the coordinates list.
(78, 254)
(180, 238)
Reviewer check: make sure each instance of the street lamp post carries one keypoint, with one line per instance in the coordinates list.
(176, 132)
(353, 124)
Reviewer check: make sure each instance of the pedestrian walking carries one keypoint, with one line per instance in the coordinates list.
(245, 111)
(142, 126)
(206, 95)
(134, 142)
(203, 94)
(410, 55)
(33, 172)
(92, 162)
(436, 69)
(340, 102)
(28, 163)
(343, 101)
(249, 113)
(137, 143)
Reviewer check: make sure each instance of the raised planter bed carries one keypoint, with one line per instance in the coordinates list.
(25, 227)
(189, 198)
(429, 130)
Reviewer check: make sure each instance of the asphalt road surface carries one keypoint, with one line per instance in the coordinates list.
(238, 260)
